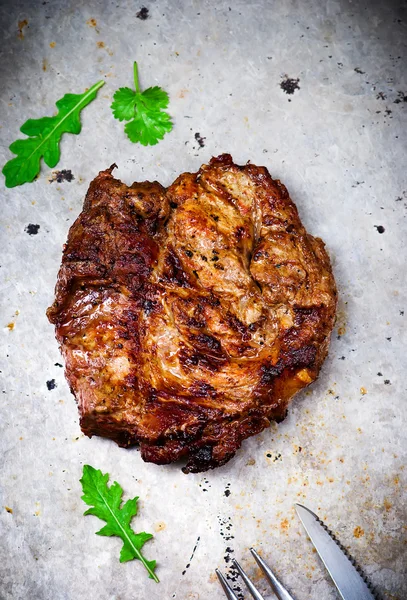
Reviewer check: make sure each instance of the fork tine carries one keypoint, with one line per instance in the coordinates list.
(277, 587)
(252, 589)
(230, 595)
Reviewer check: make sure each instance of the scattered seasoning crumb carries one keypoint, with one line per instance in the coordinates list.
(11, 326)
(52, 44)
(192, 555)
(91, 22)
(9, 510)
(402, 97)
(51, 385)
(32, 229)
(380, 228)
(58, 365)
(289, 85)
(143, 13)
(363, 391)
(100, 44)
(358, 532)
(387, 382)
(63, 175)
(200, 140)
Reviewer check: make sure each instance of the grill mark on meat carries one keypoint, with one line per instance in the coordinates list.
(189, 317)
(173, 271)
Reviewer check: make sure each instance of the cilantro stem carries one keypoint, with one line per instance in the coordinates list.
(136, 82)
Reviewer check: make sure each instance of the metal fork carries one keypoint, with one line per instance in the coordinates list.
(275, 584)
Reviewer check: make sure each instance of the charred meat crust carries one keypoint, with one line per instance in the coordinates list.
(189, 316)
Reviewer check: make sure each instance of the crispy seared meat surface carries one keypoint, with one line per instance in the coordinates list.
(188, 317)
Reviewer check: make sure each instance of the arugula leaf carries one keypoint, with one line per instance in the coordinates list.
(105, 503)
(148, 123)
(44, 137)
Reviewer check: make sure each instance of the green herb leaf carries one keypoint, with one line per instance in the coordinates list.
(148, 123)
(124, 102)
(44, 137)
(105, 503)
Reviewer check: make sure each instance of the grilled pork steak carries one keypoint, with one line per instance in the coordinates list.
(189, 316)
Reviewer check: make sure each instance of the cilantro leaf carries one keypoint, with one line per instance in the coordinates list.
(148, 123)
(44, 137)
(105, 503)
(124, 102)
(148, 126)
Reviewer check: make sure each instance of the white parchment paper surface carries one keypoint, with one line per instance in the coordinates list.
(339, 144)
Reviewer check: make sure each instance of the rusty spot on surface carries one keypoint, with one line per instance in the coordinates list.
(358, 532)
(387, 505)
(284, 525)
(21, 26)
(159, 526)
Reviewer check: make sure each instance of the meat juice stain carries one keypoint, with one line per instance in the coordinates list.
(32, 229)
(21, 26)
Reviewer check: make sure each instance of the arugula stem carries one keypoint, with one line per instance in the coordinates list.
(136, 551)
(136, 82)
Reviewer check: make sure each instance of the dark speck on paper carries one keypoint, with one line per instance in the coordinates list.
(289, 85)
(142, 13)
(51, 385)
(32, 229)
(63, 175)
(380, 228)
(401, 97)
(58, 365)
(359, 70)
(200, 140)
